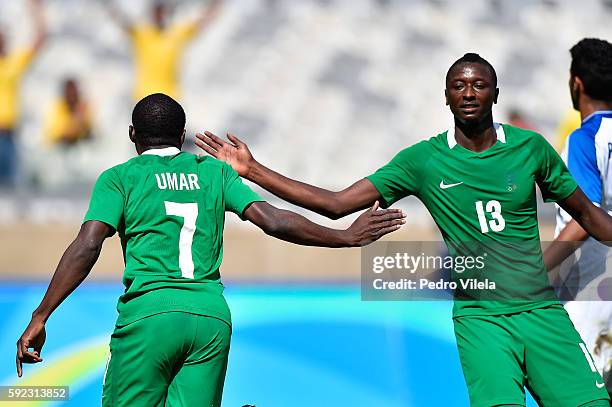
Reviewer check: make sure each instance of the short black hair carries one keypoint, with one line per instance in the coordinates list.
(592, 63)
(158, 120)
(473, 58)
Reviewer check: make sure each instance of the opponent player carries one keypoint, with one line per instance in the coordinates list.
(587, 155)
(171, 341)
(478, 182)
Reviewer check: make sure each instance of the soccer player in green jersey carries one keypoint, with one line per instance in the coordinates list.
(171, 341)
(478, 182)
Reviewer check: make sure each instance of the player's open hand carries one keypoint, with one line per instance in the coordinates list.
(375, 223)
(235, 153)
(33, 337)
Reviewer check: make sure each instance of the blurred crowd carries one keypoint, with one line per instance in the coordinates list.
(157, 47)
(278, 73)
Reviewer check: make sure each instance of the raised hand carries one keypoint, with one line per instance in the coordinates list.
(374, 224)
(235, 153)
(33, 337)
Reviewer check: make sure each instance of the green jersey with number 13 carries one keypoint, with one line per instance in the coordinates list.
(487, 199)
(169, 209)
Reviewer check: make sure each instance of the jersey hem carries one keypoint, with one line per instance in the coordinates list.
(505, 311)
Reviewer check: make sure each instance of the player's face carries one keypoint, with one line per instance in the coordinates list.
(71, 92)
(159, 15)
(470, 92)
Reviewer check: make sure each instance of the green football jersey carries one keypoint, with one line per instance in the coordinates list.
(485, 203)
(169, 209)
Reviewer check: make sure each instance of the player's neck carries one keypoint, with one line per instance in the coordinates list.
(476, 136)
(589, 106)
(141, 149)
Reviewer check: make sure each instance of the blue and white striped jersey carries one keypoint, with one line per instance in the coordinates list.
(587, 155)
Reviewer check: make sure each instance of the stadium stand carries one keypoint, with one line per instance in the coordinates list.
(325, 90)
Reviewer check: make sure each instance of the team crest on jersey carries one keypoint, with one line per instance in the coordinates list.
(510, 185)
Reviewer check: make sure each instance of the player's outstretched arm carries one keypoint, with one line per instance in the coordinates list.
(594, 220)
(286, 225)
(209, 14)
(334, 205)
(74, 266)
(120, 19)
(39, 24)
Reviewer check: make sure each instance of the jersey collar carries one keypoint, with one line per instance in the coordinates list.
(596, 113)
(499, 130)
(162, 152)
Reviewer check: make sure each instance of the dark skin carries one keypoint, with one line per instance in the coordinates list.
(573, 234)
(470, 93)
(82, 254)
(71, 94)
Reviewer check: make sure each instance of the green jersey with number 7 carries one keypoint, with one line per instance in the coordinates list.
(169, 209)
(486, 199)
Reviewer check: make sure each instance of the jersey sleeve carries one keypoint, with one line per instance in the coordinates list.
(238, 196)
(401, 176)
(107, 200)
(552, 176)
(582, 164)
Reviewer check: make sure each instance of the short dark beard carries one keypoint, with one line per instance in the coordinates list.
(575, 95)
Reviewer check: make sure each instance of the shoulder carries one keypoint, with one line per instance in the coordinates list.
(21, 56)
(116, 172)
(423, 148)
(518, 136)
(57, 107)
(214, 166)
(582, 136)
(209, 162)
(142, 29)
(183, 28)
(581, 142)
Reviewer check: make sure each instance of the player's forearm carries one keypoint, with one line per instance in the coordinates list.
(319, 200)
(594, 220)
(558, 251)
(40, 25)
(294, 228)
(368, 227)
(210, 13)
(597, 223)
(569, 240)
(74, 266)
(120, 19)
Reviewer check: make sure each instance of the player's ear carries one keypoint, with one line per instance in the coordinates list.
(577, 85)
(496, 95)
(132, 134)
(183, 137)
(446, 96)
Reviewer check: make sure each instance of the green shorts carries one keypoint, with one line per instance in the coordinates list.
(168, 359)
(538, 349)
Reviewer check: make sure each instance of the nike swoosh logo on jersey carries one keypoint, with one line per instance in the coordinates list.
(445, 186)
(599, 385)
